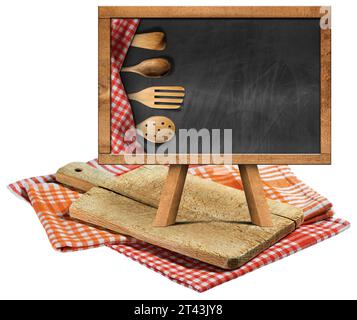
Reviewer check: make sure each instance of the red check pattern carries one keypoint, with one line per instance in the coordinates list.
(122, 33)
(51, 202)
(200, 276)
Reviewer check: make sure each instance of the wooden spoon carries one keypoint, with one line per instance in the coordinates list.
(156, 129)
(150, 68)
(150, 40)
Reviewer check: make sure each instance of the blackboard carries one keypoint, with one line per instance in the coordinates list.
(263, 72)
(258, 77)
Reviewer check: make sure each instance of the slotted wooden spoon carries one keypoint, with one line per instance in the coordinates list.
(161, 97)
(150, 40)
(157, 129)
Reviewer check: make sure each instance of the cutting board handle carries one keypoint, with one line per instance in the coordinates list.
(83, 177)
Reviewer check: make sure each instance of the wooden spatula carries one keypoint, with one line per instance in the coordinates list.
(150, 40)
(161, 97)
(156, 129)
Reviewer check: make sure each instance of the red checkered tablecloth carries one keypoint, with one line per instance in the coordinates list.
(51, 202)
(200, 276)
(122, 33)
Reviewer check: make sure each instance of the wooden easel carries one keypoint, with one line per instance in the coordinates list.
(172, 192)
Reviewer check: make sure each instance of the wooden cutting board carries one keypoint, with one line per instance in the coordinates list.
(213, 223)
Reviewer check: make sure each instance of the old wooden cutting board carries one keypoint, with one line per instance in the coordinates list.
(213, 223)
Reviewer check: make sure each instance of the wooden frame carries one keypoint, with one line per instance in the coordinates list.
(104, 136)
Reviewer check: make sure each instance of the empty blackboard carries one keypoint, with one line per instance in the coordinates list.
(258, 77)
(265, 78)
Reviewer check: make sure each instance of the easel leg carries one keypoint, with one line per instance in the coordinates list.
(171, 196)
(253, 189)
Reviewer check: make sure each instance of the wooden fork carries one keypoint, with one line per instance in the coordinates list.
(161, 97)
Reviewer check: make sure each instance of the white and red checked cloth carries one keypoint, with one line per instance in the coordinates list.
(51, 202)
(122, 120)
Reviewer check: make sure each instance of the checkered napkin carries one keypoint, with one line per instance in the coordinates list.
(51, 202)
(122, 33)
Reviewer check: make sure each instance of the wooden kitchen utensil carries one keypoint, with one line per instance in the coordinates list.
(161, 97)
(150, 68)
(156, 129)
(213, 224)
(150, 40)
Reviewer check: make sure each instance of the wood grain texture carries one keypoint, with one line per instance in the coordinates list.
(210, 12)
(171, 195)
(83, 177)
(324, 158)
(156, 129)
(201, 198)
(225, 244)
(151, 68)
(213, 223)
(253, 189)
(325, 91)
(104, 114)
(160, 97)
(150, 40)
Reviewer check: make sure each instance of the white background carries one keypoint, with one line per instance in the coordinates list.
(48, 103)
